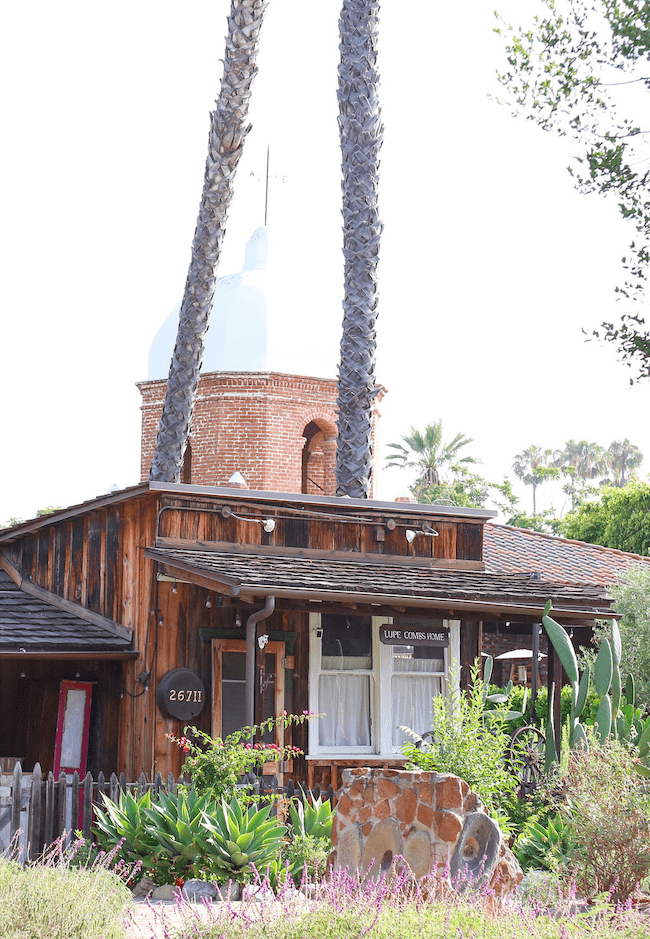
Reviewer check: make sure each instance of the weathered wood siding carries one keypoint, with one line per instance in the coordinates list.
(95, 558)
(372, 533)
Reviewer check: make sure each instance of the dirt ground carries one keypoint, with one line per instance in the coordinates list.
(154, 921)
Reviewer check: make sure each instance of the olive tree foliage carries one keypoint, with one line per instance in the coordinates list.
(577, 70)
(632, 599)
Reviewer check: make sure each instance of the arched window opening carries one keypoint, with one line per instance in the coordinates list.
(318, 459)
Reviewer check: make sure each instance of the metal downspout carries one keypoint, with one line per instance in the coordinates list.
(251, 623)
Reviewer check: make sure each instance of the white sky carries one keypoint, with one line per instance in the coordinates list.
(490, 266)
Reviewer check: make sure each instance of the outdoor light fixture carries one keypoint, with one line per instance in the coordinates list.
(268, 524)
(208, 602)
(238, 621)
(410, 535)
(175, 588)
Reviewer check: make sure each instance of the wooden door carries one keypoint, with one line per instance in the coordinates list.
(73, 725)
(229, 689)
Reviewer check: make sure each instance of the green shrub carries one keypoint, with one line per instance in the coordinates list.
(516, 697)
(216, 766)
(48, 902)
(608, 812)
(469, 742)
(305, 857)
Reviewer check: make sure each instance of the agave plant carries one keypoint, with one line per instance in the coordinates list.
(544, 845)
(177, 824)
(313, 820)
(242, 838)
(125, 823)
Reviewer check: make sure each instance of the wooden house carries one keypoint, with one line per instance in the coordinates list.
(126, 618)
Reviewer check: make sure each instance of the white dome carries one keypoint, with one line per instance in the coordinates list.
(259, 323)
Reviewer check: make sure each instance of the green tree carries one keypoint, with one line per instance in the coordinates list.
(444, 474)
(623, 458)
(228, 130)
(361, 135)
(544, 521)
(620, 518)
(533, 467)
(632, 599)
(569, 72)
(581, 462)
(429, 454)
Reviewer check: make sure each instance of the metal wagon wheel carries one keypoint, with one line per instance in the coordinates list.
(526, 756)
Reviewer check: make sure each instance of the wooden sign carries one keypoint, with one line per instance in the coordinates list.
(181, 694)
(416, 633)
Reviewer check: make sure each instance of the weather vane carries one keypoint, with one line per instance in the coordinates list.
(266, 178)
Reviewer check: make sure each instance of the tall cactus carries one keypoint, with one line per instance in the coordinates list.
(611, 720)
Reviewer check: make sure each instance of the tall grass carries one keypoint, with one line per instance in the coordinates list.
(347, 907)
(54, 899)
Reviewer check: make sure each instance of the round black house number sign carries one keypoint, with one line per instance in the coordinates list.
(181, 694)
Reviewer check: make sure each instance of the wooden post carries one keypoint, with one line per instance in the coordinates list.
(49, 809)
(61, 797)
(16, 800)
(34, 823)
(556, 675)
(87, 817)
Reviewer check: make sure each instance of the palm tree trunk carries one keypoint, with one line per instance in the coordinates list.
(361, 136)
(228, 129)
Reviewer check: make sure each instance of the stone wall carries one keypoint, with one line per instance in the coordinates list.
(434, 821)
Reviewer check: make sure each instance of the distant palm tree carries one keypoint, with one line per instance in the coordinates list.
(581, 462)
(532, 467)
(429, 454)
(228, 129)
(623, 457)
(589, 459)
(361, 136)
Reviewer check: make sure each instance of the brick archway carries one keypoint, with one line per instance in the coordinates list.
(319, 458)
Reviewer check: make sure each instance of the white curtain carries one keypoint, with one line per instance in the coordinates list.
(345, 701)
(412, 694)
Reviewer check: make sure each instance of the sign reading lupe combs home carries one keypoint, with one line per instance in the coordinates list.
(414, 631)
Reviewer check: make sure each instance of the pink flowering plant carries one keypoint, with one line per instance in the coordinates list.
(215, 766)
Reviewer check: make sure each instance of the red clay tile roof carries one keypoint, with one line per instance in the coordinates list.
(509, 550)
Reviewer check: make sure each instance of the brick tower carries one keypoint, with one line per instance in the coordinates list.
(277, 429)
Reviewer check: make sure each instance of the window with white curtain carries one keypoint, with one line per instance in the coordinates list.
(418, 674)
(365, 689)
(346, 681)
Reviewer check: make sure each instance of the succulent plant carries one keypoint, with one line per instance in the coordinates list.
(241, 837)
(313, 820)
(612, 720)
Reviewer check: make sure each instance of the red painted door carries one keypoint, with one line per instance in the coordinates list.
(73, 724)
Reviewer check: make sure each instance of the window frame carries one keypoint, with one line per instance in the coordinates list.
(381, 695)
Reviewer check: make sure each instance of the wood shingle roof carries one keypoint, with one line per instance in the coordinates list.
(29, 624)
(249, 576)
